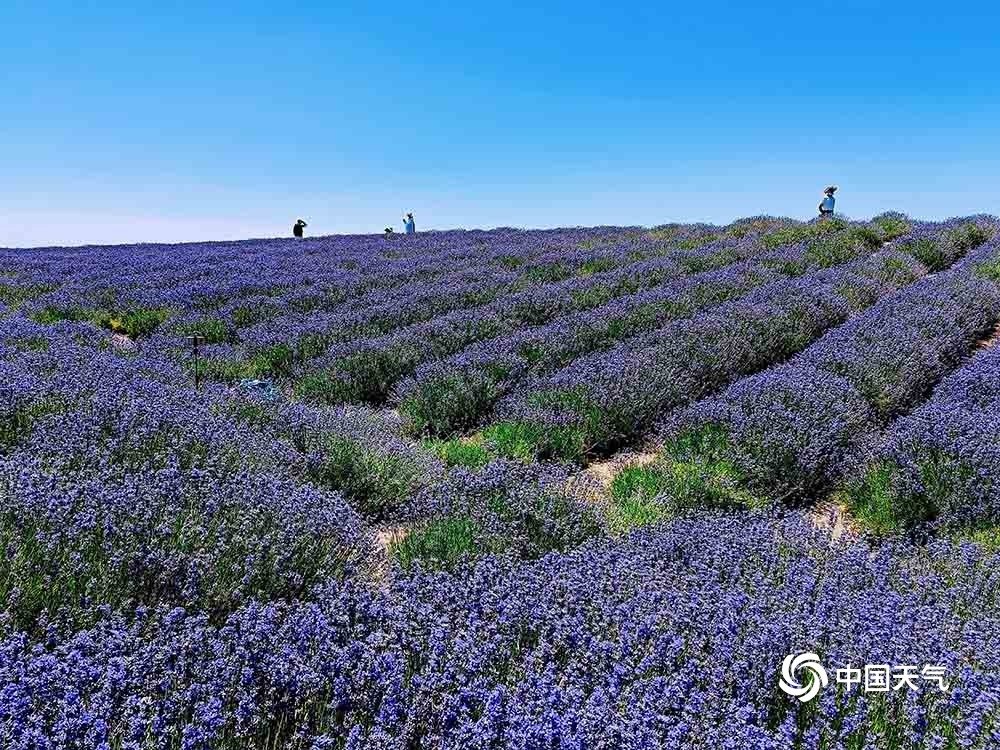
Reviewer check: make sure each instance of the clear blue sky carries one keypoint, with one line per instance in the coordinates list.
(178, 123)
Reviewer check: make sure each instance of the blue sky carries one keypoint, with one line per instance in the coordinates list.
(183, 123)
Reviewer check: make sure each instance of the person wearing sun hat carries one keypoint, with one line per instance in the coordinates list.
(827, 204)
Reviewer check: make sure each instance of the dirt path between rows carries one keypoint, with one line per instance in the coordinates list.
(606, 471)
(833, 516)
(386, 536)
(990, 340)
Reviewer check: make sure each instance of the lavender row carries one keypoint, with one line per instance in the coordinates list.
(456, 393)
(793, 432)
(368, 369)
(210, 272)
(939, 464)
(296, 339)
(108, 412)
(605, 400)
(120, 488)
(672, 638)
(316, 274)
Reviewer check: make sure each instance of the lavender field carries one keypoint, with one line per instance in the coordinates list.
(565, 489)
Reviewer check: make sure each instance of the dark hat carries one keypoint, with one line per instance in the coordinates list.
(831, 189)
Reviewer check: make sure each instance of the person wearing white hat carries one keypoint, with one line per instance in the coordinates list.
(409, 224)
(827, 204)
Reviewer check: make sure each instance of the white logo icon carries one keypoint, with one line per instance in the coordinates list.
(815, 680)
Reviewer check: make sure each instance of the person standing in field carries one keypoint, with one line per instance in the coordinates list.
(297, 229)
(827, 204)
(409, 224)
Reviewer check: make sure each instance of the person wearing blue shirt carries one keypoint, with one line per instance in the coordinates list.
(826, 205)
(409, 224)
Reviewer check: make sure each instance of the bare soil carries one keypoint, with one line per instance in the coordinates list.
(990, 340)
(385, 536)
(606, 471)
(834, 517)
(122, 342)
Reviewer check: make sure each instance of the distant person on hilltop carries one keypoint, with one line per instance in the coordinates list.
(826, 205)
(409, 224)
(297, 229)
(388, 231)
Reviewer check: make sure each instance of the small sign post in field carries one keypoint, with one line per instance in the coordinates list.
(196, 339)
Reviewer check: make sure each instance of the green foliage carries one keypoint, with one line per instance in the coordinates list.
(248, 315)
(893, 270)
(943, 479)
(881, 504)
(663, 234)
(595, 296)
(858, 296)
(316, 299)
(519, 440)
(441, 544)
(741, 228)
(135, 322)
(29, 343)
(251, 412)
(547, 273)
(693, 243)
(796, 233)
(378, 482)
(15, 295)
(786, 266)
(53, 314)
(697, 471)
(523, 521)
(629, 513)
(213, 330)
(323, 387)
(523, 440)
(459, 452)
(989, 270)
(201, 301)
(510, 262)
(17, 422)
(928, 251)
(363, 377)
(891, 225)
(567, 441)
(450, 403)
(270, 362)
(843, 247)
(254, 414)
(988, 537)
(36, 577)
(873, 500)
(635, 500)
(276, 359)
(222, 370)
(634, 481)
(968, 236)
(598, 265)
